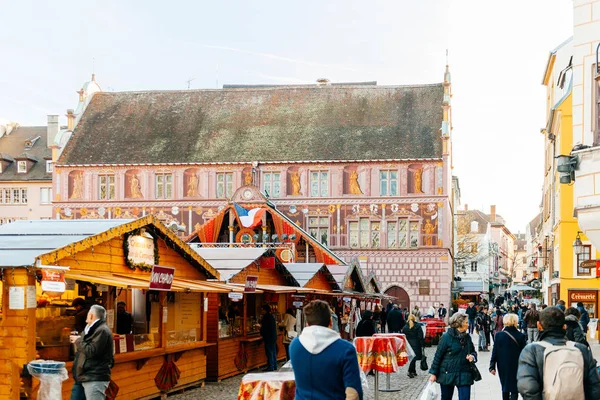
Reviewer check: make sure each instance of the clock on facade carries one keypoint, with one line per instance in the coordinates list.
(247, 194)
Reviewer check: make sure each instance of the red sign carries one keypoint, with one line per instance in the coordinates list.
(267, 262)
(53, 280)
(598, 269)
(251, 282)
(161, 278)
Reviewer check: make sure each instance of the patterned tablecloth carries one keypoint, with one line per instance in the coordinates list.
(268, 386)
(434, 327)
(383, 353)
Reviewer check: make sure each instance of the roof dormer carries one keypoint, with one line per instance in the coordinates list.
(5, 161)
(24, 162)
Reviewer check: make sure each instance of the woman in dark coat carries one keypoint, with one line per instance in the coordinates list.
(574, 330)
(366, 326)
(414, 335)
(508, 344)
(451, 365)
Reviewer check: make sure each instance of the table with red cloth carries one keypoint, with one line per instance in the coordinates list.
(268, 386)
(434, 328)
(382, 353)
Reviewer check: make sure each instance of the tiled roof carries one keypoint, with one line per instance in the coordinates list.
(260, 124)
(13, 145)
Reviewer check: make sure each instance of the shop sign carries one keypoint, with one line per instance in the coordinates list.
(251, 282)
(141, 250)
(235, 296)
(161, 278)
(587, 296)
(53, 281)
(297, 304)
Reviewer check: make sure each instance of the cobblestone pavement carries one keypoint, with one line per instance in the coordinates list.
(487, 388)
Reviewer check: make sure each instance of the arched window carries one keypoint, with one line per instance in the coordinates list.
(474, 226)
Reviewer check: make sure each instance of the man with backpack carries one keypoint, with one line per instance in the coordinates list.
(554, 368)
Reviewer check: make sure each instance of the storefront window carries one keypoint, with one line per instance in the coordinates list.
(231, 314)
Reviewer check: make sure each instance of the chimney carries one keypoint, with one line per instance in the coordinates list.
(70, 119)
(493, 213)
(466, 207)
(52, 129)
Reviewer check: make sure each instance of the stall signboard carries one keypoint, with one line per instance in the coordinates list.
(161, 278)
(140, 250)
(53, 281)
(235, 296)
(251, 282)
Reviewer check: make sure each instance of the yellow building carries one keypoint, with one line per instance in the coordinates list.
(562, 275)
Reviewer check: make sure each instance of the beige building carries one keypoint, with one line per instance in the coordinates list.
(26, 171)
(27, 155)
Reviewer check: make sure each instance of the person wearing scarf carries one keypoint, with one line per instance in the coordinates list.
(451, 366)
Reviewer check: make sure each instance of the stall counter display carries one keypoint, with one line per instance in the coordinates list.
(268, 386)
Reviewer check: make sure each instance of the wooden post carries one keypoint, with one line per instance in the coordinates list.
(162, 323)
(204, 298)
(17, 334)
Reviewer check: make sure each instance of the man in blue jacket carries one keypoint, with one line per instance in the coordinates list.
(325, 366)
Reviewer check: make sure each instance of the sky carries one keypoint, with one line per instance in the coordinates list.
(497, 52)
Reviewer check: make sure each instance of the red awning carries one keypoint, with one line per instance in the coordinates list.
(470, 293)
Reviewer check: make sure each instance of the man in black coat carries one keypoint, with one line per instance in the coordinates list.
(530, 375)
(442, 311)
(94, 357)
(395, 320)
(268, 331)
(471, 313)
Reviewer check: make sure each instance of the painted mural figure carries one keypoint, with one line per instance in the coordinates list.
(418, 181)
(354, 186)
(295, 184)
(136, 192)
(77, 187)
(428, 229)
(247, 178)
(192, 186)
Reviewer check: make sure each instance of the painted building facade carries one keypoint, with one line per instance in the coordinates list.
(365, 169)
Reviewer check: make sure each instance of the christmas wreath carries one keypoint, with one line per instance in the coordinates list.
(140, 266)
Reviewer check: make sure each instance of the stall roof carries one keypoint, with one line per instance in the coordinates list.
(109, 279)
(304, 272)
(228, 261)
(21, 242)
(283, 289)
(25, 243)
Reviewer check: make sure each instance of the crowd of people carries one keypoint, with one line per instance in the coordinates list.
(540, 354)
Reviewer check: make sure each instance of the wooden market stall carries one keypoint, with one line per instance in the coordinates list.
(233, 320)
(258, 249)
(108, 261)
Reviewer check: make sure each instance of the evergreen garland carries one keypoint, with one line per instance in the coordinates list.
(140, 266)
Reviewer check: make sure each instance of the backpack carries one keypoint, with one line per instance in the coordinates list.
(563, 372)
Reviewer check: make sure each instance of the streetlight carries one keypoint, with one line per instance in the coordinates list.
(578, 245)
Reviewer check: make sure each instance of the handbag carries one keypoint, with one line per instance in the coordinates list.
(475, 372)
(424, 366)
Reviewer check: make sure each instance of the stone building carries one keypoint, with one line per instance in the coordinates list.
(365, 169)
